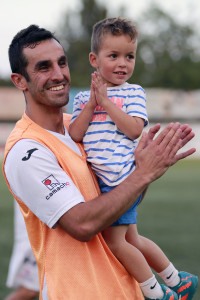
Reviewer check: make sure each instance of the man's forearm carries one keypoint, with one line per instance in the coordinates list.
(87, 219)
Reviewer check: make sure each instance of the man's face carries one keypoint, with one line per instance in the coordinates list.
(49, 77)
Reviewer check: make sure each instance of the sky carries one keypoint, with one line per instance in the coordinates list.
(18, 14)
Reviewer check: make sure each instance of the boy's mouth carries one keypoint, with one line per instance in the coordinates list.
(120, 73)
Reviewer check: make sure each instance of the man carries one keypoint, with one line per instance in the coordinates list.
(23, 271)
(56, 189)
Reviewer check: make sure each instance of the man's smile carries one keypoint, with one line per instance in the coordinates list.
(56, 88)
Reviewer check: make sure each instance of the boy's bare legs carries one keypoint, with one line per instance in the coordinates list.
(131, 258)
(154, 256)
(138, 255)
(182, 283)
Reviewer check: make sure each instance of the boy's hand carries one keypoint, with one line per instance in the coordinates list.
(100, 89)
(92, 101)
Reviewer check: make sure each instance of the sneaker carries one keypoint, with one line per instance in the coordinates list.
(187, 286)
(168, 294)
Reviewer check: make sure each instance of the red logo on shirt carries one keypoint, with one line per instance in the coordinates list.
(51, 182)
(54, 185)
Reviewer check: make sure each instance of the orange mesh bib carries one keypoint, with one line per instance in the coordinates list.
(74, 270)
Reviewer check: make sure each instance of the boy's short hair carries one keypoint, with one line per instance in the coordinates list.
(114, 26)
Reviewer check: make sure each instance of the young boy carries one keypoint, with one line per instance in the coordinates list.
(109, 119)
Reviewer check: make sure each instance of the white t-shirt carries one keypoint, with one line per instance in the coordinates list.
(38, 180)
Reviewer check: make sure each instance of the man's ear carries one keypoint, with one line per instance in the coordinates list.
(19, 81)
(93, 60)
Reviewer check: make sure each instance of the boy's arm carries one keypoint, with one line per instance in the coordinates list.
(78, 128)
(131, 126)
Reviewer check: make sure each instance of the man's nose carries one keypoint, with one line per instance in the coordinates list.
(57, 73)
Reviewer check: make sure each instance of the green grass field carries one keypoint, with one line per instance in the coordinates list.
(169, 215)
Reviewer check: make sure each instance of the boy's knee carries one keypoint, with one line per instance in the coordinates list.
(116, 247)
(136, 241)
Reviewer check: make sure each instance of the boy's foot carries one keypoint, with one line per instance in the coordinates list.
(168, 294)
(187, 286)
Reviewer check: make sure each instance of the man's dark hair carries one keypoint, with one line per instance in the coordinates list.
(28, 37)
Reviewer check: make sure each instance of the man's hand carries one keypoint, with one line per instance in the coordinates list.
(157, 154)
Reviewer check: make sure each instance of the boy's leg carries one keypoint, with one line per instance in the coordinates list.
(134, 262)
(154, 256)
(132, 259)
(184, 284)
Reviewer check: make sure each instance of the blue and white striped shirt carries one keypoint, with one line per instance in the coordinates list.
(109, 151)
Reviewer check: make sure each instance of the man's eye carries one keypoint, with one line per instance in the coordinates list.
(43, 68)
(63, 63)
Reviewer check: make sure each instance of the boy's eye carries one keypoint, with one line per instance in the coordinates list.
(130, 56)
(113, 55)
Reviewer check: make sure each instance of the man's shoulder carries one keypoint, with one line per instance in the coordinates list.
(25, 148)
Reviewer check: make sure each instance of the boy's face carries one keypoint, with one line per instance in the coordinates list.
(116, 59)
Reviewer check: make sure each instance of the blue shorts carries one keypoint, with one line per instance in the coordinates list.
(130, 216)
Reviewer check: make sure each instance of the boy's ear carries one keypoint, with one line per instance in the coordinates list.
(19, 81)
(93, 60)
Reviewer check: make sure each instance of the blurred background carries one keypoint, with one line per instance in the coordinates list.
(167, 67)
(167, 62)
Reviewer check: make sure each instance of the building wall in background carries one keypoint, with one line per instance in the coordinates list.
(163, 106)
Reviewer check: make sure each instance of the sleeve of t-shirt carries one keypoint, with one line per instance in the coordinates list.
(136, 103)
(37, 179)
(79, 102)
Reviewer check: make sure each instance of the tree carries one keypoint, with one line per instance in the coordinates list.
(5, 82)
(166, 55)
(75, 36)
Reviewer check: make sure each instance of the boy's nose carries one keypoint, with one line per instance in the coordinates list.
(122, 62)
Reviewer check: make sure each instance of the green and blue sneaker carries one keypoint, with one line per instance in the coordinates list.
(168, 294)
(187, 286)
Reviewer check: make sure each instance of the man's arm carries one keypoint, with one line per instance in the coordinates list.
(153, 158)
